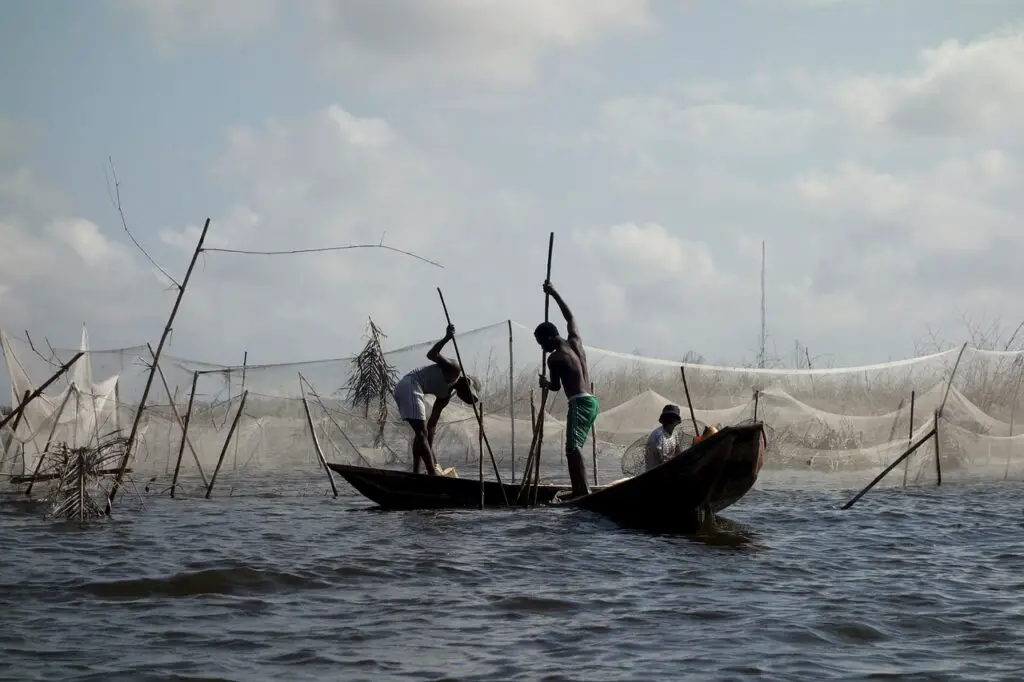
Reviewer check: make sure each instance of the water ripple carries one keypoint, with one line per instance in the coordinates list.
(908, 585)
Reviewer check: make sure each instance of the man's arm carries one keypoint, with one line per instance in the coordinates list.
(570, 319)
(554, 382)
(434, 354)
(435, 414)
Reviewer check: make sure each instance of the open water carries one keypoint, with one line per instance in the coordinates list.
(909, 585)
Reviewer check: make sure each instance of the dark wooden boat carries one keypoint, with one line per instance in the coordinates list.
(405, 490)
(713, 474)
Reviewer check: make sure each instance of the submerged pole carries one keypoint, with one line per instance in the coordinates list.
(227, 442)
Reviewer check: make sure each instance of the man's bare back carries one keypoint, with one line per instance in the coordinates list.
(568, 367)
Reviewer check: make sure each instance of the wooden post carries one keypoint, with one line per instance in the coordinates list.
(593, 438)
(938, 461)
(476, 412)
(757, 397)
(152, 371)
(910, 438)
(482, 489)
(316, 444)
(36, 393)
(14, 430)
(184, 436)
(245, 363)
(227, 441)
(177, 415)
(911, 450)
(512, 399)
(49, 440)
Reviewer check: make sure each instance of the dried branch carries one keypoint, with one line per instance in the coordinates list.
(115, 198)
(372, 380)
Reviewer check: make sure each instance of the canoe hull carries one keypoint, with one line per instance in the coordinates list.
(393, 489)
(713, 474)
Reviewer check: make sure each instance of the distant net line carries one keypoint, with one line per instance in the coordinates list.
(326, 249)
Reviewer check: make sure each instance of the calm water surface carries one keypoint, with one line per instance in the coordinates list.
(909, 585)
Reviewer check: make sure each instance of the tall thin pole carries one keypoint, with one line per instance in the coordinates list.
(184, 436)
(764, 324)
(512, 399)
(152, 370)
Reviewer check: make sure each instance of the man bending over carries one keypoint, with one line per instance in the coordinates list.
(440, 379)
(568, 367)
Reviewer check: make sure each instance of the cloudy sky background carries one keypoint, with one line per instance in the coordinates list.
(874, 145)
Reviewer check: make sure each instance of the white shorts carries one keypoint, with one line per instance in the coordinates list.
(409, 397)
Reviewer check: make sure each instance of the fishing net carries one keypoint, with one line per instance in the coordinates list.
(827, 427)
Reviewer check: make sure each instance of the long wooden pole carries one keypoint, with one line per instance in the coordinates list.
(911, 450)
(245, 364)
(538, 436)
(689, 403)
(316, 444)
(593, 437)
(177, 415)
(910, 437)
(512, 399)
(49, 439)
(184, 436)
(481, 460)
(938, 461)
(476, 412)
(152, 370)
(227, 442)
(36, 393)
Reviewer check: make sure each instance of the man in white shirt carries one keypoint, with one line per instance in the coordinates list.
(663, 444)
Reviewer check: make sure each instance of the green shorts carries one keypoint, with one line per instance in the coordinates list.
(583, 411)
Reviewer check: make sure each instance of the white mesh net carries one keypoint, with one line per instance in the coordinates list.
(826, 427)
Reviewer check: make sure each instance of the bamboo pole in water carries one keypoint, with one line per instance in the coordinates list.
(593, 438)
(152, 371)
(36, 393)
(910, 437)
(49, 441)
(938, 462)
(184, 435)
(911, 450)
(512, 399)
(245, 364)
(227, 442)
(482, 490)
(316, 444)
(177, 415)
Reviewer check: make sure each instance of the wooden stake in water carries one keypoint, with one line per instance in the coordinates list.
(512, 399)
(16, 413)
(593, 437)
(177, 416)
(152, 370)
(911, 450)
(476, 412)
(316, 445)
(227, 442)
(184, 435)
(938, 461)
(49, 439)
(482, 489)
(910, 438)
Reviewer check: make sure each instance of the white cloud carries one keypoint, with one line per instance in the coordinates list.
(958, 89)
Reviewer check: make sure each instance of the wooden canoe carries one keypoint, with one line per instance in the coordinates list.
(713, 474)
(393, 489)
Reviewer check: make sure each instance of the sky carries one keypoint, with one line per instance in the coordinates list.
(873, 146)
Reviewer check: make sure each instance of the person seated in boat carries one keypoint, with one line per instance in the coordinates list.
(440, 379)
(567, 364)
(664, 443)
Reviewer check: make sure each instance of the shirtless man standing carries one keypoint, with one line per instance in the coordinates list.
(440, 379)
(567, 364)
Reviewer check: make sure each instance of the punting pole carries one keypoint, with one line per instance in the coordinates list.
(227, 442)
(512, 399)
(316, 444)
(481, 459)
(36, 393)
(476, 412)
(911, 450)
(184, 435)
(910, 437)
(152, 370)
(177, 415)
(593, 437)
(689, 403)
(538, 429)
